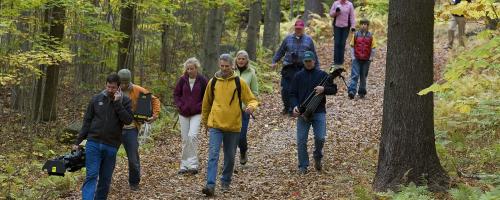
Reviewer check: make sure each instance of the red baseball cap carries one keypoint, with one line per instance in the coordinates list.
(299, 23)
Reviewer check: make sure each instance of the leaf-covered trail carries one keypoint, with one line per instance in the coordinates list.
(353, 128)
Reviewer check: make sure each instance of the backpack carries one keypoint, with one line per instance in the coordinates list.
(238, 90)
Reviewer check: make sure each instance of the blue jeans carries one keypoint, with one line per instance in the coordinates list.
(359, 71)
(340, 37)
(100, 162)
(318, 123)
(245, 119)
(129, 139)
(229, 141)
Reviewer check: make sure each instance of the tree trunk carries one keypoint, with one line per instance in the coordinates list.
(211, 41)
(291, 9)
(126, 46)
(47, 89)
(164, 48)
(313, 6)
(272, 24)
(407, 148)
(254, 29)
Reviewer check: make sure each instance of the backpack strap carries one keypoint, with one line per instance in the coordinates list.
(238, 90)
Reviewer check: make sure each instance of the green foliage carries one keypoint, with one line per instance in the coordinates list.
(363, 193)
(475, 10)
(464, 192)
(410, 192)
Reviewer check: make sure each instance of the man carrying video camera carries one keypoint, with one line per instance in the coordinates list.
(293, 48)
(104, 119)
(304, 83)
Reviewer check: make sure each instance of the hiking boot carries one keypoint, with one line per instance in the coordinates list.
(351, 96)
(208, 191)
(302, 171)
(243, 158)
(192, 171)
(134, 187)
(182, 171)
(317, 164)
(224, 187)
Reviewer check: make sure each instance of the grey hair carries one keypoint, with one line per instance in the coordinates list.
(226, 57)
(243, 53)
(192, 61)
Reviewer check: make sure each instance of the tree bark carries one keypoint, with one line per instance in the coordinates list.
(126, 45)
(212, 39)
(55, 17)
(272, 20)
(313, 6)
(254, 29)
(164, 48)
(407, 148)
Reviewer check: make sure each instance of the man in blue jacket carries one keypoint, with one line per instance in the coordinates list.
(106, 114)
(292, 49)
(304, 83)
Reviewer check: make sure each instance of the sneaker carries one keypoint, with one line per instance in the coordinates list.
(317, 164)
(182, 171)
(351, 96)
(224, 187)
(302, 171)
(208, 191)
(243, 158)
(192, 171)
(134, 187)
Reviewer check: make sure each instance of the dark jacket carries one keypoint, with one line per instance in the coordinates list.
(104, 120)
(304, 83)
(189, 101)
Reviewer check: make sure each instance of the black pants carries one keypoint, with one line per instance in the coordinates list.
(287, 74)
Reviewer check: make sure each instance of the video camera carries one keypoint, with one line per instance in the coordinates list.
(71, 162)
(144, 107)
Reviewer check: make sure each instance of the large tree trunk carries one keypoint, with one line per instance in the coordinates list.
(407, 148)
(313, 6)
(45, 109)
(272, 20)
(254, 29)
(126, 46)
(211, 41)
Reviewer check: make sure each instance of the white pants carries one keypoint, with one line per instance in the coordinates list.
(190, 126)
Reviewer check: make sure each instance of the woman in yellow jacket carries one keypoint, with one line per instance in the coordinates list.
(221, 114)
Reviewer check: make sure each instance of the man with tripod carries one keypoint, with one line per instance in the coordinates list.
(304, 83)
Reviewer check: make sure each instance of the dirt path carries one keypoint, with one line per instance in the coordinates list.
(353, 128)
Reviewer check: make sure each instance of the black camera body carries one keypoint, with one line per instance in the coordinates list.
(144, 107)
(71, 162)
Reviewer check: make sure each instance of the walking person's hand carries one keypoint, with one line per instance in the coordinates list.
(319, 89)
(296, 112)
(273, 66)
(118, 95)
(249, 110)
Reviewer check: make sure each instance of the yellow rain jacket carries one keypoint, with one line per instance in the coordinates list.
(220, 112)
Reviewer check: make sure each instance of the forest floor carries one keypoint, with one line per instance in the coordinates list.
(350, 151)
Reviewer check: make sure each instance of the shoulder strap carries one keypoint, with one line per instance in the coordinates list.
(212, 88)
(238, 89)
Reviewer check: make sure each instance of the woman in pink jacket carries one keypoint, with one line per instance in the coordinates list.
(342, 12)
